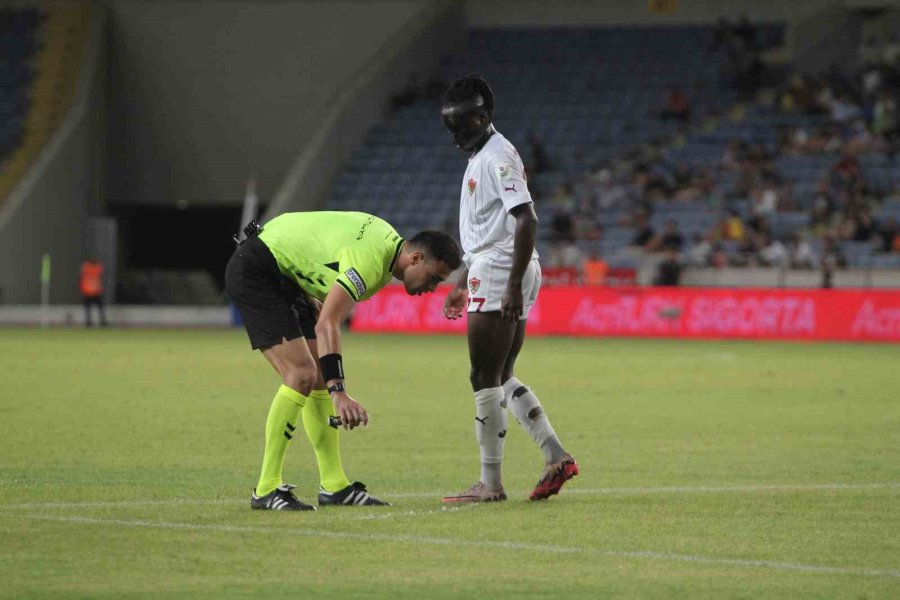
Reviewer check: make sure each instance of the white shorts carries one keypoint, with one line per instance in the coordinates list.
(488, 276)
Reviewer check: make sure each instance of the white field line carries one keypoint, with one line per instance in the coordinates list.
(414, 513)
(726, 489)
(703, 489)
(497, 545)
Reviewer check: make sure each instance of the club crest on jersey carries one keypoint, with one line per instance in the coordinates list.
(472, 184)
(474, 283)
(505, 171)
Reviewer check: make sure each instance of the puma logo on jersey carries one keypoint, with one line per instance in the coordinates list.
(512, 188)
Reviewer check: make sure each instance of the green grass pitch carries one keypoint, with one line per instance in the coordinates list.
(709, 470)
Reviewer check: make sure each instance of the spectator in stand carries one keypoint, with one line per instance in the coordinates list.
(765, 198)
(822, 209)
(608, 194)
(773, 253)
(562, 227)
(802, 254)
(831, 252)
(860, 140)
(731, 227)
(823, 139)
(586, 226)
(595, 269)
(885, 117)
(747, 179)
(536, 157)
(832, 258)
(846, 174)
(799, 97)
(734, 155)
(701, 251)
(756, 239)
(824, 97)
(669, 239)
(643, 233)
(889, 236)
(682, 176)
(669, 272)
(871, 81)
(719, 259)
(793, 141)
(890, 52)
(844, 109)
(563, 198)
(563, 251)
(676, 105)
(864, 227)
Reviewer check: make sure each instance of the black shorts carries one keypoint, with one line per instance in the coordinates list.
(272, 306)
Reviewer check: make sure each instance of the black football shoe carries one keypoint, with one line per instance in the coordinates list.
(281, 498)
(354, 494)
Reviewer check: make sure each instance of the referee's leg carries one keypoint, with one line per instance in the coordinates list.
(324, 439)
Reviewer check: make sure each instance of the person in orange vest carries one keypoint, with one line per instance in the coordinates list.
(91, 284)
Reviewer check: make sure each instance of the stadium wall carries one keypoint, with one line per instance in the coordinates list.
(202, 94)
(828, 36)
(355, 107)
(47, 211)
(513, 13)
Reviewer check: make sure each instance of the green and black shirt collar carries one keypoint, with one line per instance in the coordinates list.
(400, 241)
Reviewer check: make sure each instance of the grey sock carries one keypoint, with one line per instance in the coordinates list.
(553, 450)
(490, 475)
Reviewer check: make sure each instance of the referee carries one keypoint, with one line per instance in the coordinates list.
(294, 283)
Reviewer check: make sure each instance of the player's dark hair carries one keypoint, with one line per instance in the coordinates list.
(468, 88)
(439, 246)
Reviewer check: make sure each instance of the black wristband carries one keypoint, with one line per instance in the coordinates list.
(332, 367)
(338, 387)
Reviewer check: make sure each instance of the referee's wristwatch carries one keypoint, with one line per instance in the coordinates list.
(338, 387)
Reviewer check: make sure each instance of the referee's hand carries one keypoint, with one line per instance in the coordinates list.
(350, 411)
(455, 303)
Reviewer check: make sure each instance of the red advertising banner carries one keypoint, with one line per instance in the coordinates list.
(864, 315)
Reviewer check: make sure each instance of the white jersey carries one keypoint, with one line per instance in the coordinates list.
(493, 185)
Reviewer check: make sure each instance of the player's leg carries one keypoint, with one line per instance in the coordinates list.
(490, 338)
(526, 407)
(559, 465)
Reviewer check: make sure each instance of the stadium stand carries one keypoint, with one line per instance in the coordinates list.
(41, 53)
(645, 139)
(18, 44)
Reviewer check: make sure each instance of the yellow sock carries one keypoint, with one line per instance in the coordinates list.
(324, 440)
(280, 426)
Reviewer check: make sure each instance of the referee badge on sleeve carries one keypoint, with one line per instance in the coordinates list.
(356, 280)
